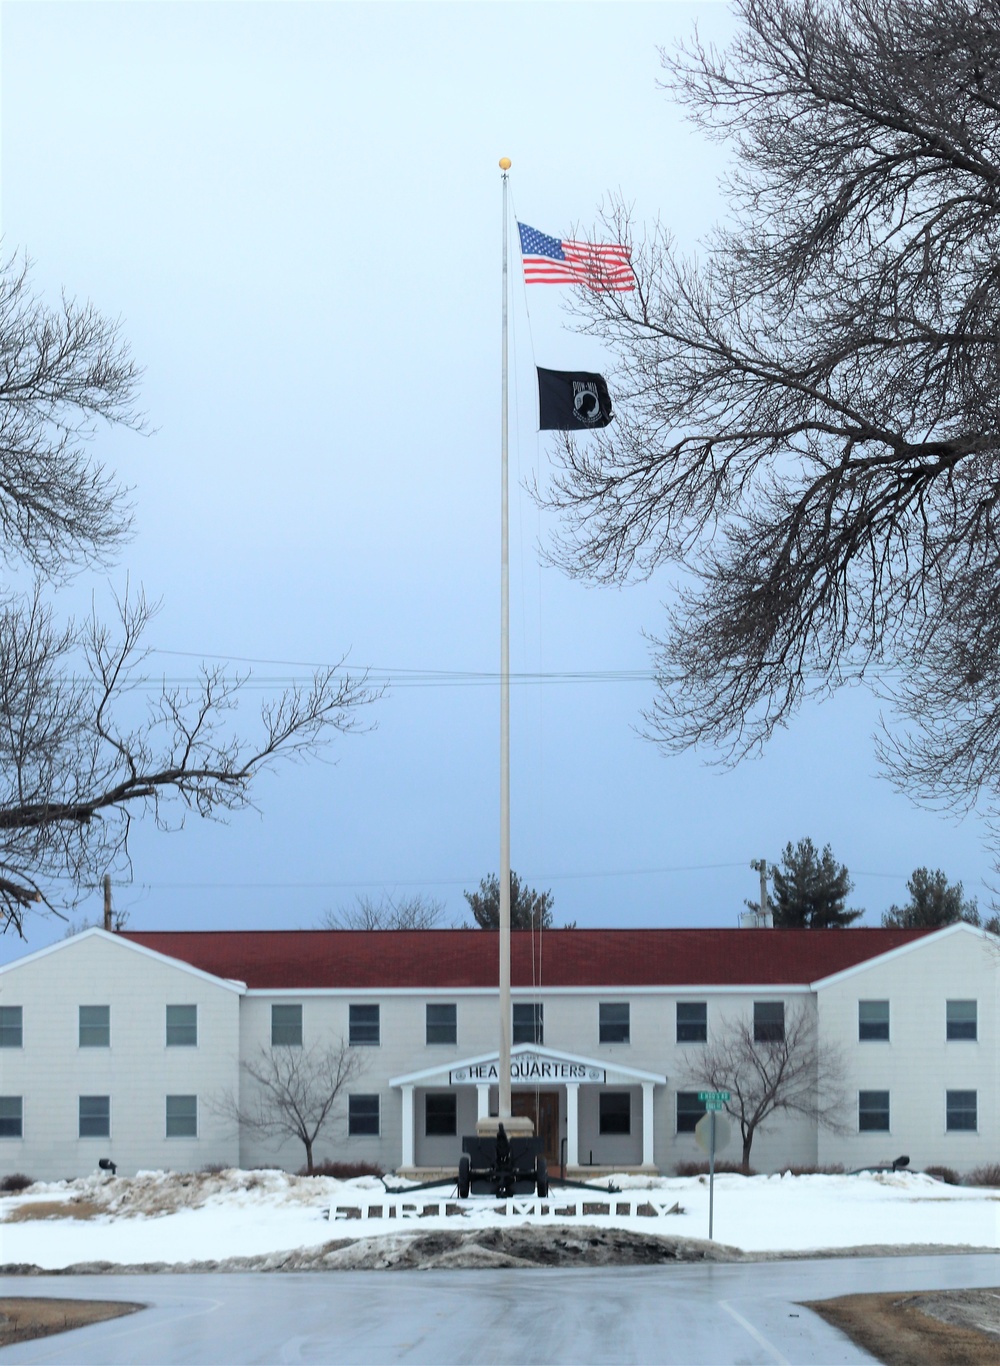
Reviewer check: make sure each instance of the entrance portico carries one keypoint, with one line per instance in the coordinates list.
(593, 1132)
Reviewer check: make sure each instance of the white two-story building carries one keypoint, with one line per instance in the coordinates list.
(133, 1046)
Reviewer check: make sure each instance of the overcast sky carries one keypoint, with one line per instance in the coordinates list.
(295, 209)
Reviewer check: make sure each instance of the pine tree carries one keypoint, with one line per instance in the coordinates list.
(933, 902)
(529, 910)
(810, 889)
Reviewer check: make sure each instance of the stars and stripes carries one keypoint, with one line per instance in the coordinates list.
(550, 261)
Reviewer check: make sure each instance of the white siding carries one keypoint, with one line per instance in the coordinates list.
(919, 1064)
(138, 1071)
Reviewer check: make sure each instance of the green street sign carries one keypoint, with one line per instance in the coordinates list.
(715, 1105)
(714, 1099)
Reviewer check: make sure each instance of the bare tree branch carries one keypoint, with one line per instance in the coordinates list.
(807, 423)
(62, 372)
(790, 1074)
(291, 1092)
(86, 740)
(85, 744)
(414, 912)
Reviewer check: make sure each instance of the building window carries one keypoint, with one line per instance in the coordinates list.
(873, 1111)
(961, 1020)
(11, 1027)
(689, 1110)
(95, 1116)
(362, 1115)
(616, 1112)
(286, 1026)
(873, 1021)
(440, 1114)
(182, 1116)
(768, 1021)
(11, 1117)
(692, 1021)
(614, 1021)
(528, 1023)
(442, 1023)
(961, 1110)
(364, 1029)
(95, 1026)
(182, 1027)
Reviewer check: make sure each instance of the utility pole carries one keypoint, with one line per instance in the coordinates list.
(760, 866)
(107, 902)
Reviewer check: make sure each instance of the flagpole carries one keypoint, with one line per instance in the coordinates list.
(505, 1002)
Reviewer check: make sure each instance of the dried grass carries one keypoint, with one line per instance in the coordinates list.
(988, 1175)
(343, 1171)
(54, 1209)
(14, 1182)
(721, 1169)
(948, 1175)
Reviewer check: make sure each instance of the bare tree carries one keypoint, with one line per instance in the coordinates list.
(415, 912)
(87, 740)
(807, 425)
(771, 1068)
(62, 372)
(291, 1092)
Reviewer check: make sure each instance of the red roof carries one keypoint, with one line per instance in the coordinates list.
(449, 959)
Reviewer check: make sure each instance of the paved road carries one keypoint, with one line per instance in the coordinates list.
(689, 1314)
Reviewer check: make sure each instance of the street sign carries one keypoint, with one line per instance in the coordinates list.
(714, 1099)
(703, 1132)
(712, 1132)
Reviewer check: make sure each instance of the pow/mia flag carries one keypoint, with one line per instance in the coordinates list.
(569, 400)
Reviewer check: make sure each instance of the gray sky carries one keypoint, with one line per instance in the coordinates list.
(295, 209)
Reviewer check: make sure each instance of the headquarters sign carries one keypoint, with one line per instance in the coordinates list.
(531, 1067)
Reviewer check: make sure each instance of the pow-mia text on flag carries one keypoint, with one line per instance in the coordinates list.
(571, 400)
(598, 265)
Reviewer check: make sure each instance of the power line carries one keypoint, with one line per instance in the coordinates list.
(458, 881)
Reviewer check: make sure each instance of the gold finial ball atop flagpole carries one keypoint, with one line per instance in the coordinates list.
(505, 163)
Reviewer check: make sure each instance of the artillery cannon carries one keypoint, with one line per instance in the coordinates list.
(502, 1167)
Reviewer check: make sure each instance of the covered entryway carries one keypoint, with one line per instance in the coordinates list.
(591, 1113)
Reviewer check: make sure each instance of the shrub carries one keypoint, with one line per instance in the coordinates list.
(343, 1171)
(984, 1176)
(213, 1169)
(17, 1181)
(948, 1175)
(721, 1168)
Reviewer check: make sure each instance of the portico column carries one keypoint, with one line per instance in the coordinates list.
(483, 1101)
(647, 1123)
(408, 1127)
(572, 1124)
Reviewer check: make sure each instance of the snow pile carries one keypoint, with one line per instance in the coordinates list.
(182, 1217)
(157, 1192)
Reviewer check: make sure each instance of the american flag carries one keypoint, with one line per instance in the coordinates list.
(549, 261)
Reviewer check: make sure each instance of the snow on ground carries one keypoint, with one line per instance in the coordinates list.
(176, 1218)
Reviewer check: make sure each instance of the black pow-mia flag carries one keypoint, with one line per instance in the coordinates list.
(569, 400)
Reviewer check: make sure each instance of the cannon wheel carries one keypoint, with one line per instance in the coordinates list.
(464, 1176)
(542, 1178)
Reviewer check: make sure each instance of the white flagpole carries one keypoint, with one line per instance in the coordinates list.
(505, 1003)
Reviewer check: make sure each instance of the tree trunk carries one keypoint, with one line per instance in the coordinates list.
(747, 1145)
(309, 1156)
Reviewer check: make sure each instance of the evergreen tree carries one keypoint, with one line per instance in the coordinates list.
(810, 889)
(933, 902)
(529, 910)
